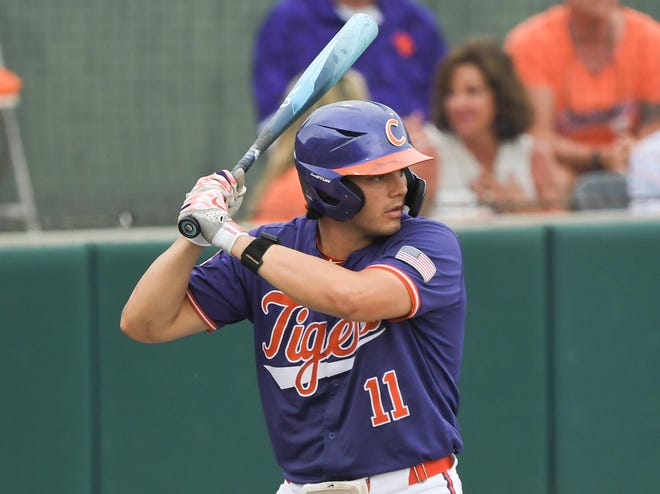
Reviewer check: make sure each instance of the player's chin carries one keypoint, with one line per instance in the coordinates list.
(391, 226)
(382, 228)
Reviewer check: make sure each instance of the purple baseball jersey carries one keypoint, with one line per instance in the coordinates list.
(398, 66)
(345, 399)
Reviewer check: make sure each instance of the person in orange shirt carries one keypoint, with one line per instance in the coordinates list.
(592, 68)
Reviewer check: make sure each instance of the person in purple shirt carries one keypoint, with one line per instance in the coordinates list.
(358, 309)
(398, 66)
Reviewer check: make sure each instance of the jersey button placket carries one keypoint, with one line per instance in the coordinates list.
(334, 442)
(332, 391)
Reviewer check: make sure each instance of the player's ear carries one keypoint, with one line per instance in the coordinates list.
(416, 192)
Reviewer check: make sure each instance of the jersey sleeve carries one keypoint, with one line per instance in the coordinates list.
(218, 307)
(427, 258)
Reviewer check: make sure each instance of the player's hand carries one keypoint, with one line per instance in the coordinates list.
(232, 187)
(238, 188)
(211, 202)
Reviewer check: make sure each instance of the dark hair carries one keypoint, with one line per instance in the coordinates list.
(513, 111)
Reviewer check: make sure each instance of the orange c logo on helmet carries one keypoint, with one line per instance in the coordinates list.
(394, 140)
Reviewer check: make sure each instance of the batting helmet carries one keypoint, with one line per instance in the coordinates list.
(352, 138)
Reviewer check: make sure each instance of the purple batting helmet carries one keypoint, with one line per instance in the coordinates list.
(352, 138)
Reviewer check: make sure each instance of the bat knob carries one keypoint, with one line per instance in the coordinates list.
(189, 227)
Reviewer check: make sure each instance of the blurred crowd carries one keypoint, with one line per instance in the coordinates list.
(561, 115)
(10, 87)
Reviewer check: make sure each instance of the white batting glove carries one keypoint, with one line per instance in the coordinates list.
(232, 187)
(211, 202)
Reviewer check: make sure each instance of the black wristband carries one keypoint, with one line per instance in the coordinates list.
(252, 256)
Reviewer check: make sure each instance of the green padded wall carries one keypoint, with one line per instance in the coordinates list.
(177, 417)
(504, 407)
(560, 374)
(607, 339)
(46, 429)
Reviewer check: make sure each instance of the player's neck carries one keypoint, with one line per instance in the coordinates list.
(337, 240)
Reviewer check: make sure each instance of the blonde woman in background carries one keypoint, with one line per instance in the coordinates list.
(487, 161)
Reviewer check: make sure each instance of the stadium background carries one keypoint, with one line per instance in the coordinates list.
(125, 103)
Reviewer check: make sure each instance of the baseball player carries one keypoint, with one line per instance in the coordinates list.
(358, 309)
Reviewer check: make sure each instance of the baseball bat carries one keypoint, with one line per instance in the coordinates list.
(323, 72)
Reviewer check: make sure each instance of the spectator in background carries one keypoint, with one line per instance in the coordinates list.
(10, 87)
(278, 196)
(592, 68)
(644, 174)
(487, 163)
(398, 66)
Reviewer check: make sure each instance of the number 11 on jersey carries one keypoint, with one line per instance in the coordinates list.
(379, 416)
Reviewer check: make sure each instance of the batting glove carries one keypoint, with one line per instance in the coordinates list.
(211, 202)
(231, 186)
(226, 236)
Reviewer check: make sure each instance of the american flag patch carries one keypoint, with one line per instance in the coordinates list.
(418, 260)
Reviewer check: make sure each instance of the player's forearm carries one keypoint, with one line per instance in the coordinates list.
(331, 289)
(160, 294)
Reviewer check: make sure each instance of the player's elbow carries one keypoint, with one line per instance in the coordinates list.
(137, 329)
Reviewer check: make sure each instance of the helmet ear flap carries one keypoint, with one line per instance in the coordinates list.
(353, 188)
(416, 192)
(340, 199)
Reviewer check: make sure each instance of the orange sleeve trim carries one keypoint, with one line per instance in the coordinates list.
(208, 322)
(410, 285)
